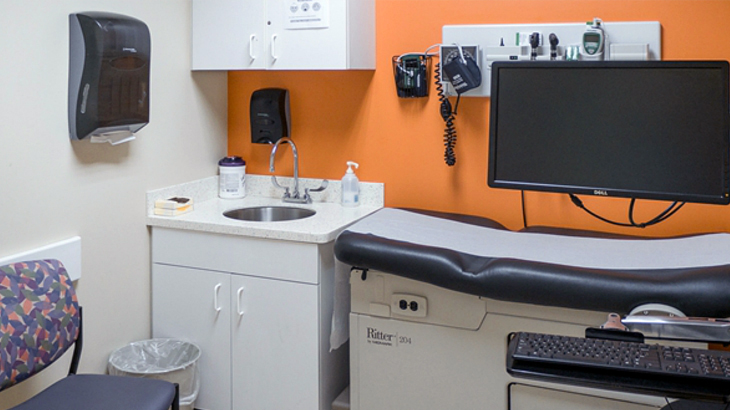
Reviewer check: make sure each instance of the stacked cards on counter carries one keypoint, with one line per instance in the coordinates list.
(174, 206)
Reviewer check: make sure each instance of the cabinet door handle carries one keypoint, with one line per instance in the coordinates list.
(273, 47)
(216, 290)
(238, 301)
(251, 46)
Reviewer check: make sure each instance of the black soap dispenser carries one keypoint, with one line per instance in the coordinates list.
(270, 118)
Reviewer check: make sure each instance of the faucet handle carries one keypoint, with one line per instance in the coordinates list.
(322, 187)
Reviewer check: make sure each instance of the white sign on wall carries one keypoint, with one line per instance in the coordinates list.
(306, 14)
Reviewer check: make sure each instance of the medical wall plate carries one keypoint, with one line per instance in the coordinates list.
(636, 40)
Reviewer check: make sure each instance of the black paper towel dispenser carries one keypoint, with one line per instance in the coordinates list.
(109, 76)
(270, 118)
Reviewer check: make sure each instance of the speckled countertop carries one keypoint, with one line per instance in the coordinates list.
(207, 215)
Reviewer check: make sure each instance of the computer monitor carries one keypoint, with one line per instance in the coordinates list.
(642, 129)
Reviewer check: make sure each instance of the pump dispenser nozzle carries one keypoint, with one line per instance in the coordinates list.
(351, 164)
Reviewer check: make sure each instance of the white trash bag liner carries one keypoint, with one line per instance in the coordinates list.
(172, 360)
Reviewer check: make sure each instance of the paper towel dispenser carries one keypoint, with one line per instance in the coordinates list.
(109, 77)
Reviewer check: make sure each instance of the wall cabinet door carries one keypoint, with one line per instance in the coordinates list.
(229, 34)
(274, 344)
(194, 304)
(265, 34)
(313, 48)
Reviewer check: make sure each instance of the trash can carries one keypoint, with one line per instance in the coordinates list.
(172, 360)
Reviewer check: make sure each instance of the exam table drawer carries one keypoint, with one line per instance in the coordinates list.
(524, 397)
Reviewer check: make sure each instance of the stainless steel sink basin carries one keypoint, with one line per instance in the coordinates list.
(269, 213)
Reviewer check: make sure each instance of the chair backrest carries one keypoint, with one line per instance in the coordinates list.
(39, 318)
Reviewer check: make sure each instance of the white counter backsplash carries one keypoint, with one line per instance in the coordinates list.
(208, 208)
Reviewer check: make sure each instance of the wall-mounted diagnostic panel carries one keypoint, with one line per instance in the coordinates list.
(594, 40)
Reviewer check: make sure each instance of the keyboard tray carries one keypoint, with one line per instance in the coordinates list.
(625, 380)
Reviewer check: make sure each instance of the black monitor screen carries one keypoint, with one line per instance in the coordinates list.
(653, 130)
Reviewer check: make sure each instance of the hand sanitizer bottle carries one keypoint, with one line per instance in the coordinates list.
(350, 186)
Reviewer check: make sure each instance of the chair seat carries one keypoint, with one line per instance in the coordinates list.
(103, 392)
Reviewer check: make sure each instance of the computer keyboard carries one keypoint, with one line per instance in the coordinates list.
(622, 357)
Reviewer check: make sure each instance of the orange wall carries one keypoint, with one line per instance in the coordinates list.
(339, 116)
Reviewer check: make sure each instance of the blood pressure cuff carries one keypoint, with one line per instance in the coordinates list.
(691, 274)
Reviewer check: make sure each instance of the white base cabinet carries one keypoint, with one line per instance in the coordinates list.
(262, 323)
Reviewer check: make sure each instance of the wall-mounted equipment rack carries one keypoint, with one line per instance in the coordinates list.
(594, 40)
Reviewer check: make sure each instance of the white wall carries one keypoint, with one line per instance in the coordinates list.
(51, 188)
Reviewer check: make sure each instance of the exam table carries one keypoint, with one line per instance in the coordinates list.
(435, 296)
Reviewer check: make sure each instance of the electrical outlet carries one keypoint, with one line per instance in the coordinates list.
(402, 304)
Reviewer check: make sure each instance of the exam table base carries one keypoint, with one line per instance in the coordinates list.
(454, 357)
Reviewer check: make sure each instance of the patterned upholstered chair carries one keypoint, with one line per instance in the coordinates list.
(40, 319)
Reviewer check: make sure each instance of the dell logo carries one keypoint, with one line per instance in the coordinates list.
(600, 192)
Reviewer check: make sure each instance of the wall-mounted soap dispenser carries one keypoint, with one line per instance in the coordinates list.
(109, 77)
(270, 118)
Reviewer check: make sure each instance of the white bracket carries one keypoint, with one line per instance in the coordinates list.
(67, 251)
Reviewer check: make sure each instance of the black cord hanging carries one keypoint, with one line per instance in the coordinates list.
(663, 216)
(449, 116)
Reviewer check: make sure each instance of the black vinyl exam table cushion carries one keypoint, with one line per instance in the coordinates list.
(702, 291)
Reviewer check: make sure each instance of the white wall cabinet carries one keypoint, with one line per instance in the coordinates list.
(269, 35)
(260, 310)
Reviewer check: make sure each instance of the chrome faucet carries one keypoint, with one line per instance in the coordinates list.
(287, 196)
(294, 195)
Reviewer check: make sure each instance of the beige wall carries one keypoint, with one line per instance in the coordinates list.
(51, 188)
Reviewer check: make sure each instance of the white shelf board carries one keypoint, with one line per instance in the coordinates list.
(67, 251)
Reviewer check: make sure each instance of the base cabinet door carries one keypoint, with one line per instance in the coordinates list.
(194, 305)
(274, 344)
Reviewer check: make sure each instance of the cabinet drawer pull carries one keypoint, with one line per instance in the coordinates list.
(216, 290)
(273, 47)
(238, 302)
(251, 46)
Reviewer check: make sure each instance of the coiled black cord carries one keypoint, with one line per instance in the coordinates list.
(449, 116)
